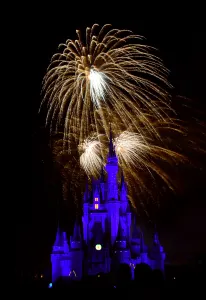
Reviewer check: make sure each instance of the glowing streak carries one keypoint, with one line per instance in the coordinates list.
(131, 148)
(90, 159)
(98, 87)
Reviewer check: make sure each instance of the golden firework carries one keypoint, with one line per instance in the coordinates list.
(111, 70)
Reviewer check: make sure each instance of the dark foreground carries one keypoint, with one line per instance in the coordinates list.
(145, 279)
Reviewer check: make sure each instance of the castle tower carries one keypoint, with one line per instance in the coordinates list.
(76, 253)
(76, 239)
(157, 253)
(112, 170)
(60, 256)
(103, 194)
(112, 191)
(96, 197)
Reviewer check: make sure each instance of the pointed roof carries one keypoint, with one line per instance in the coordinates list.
(96, 189)
(59, 241)
(123, 185)
(120, 234)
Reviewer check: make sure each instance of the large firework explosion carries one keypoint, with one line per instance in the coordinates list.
(111, 79)
(111, 69)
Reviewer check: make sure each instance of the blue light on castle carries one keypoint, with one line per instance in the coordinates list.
(108, 235)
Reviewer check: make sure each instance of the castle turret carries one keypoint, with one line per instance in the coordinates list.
(96, 197)
(60, 256)
(112, 170)
(76, 253)
(157, 253)
(58, 244)
(76, 240)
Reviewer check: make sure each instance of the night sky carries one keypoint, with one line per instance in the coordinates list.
(180, 40)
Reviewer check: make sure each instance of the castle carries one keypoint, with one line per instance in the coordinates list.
(108, 235)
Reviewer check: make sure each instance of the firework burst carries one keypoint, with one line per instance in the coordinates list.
(111, 69)
(91, 159)
(150, 165)
(112, 77)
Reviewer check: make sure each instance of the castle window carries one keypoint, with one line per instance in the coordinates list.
(95, 199)
(96, 206)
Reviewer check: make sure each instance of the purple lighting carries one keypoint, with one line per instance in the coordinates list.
(107, 225)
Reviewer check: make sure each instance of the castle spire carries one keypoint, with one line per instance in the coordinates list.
(111, 146)
(76, 239)
(96, 196)
(58, 240)
(112, 170)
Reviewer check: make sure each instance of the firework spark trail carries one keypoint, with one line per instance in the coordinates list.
(112, 68)
(90, 159)
(112, 78)
(134, 153)
(142, 158)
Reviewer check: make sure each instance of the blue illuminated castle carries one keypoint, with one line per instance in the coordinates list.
(108, 235)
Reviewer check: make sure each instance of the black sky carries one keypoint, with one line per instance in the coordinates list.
(180, 40)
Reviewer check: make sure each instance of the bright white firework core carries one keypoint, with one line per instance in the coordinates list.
(98, 86)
